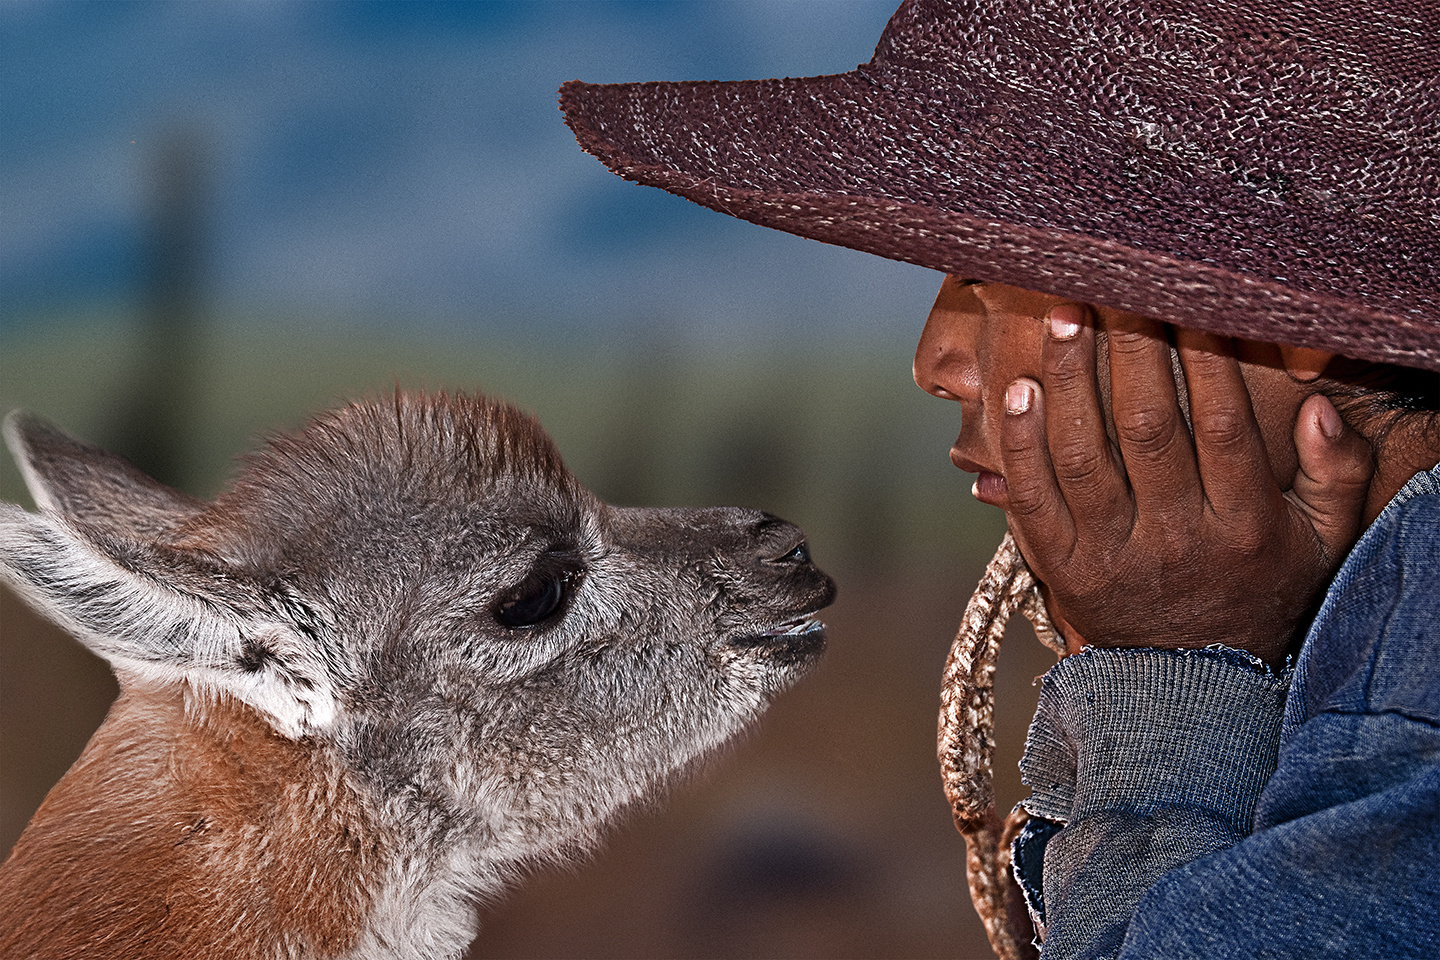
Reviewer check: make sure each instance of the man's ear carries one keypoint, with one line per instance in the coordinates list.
(1304, 364)
(91, 486)
(171, 615)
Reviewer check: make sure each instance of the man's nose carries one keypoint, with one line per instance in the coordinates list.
(946, 359)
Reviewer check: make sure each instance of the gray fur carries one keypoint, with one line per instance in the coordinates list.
(347, 586)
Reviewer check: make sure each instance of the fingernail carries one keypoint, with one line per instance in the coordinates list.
(1065, 320)
(1018, 396)
(1328, 419)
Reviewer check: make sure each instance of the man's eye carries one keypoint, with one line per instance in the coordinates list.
(534, 601)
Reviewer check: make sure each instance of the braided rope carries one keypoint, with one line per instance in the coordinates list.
(966, 743)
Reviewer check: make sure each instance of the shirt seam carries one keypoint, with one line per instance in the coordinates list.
(1432, 722)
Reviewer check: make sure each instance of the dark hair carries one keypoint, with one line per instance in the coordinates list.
(1381, 396)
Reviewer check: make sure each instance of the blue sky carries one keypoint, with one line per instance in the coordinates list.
(405, 163)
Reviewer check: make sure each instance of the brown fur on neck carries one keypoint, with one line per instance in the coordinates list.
(189, 830)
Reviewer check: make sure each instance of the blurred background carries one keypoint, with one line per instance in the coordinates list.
(217, 217)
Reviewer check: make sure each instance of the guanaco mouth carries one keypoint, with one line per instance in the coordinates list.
(795, 627)
(798, 639)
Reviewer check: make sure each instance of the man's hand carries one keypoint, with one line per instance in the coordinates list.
(1168, 537)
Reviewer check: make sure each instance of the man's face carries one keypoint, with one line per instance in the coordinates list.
(981, 336)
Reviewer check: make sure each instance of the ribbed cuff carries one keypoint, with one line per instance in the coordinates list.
(1140, 730)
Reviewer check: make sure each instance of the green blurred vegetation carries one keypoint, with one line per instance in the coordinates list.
(834, 438)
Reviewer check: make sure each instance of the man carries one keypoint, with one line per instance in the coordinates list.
(1241, 757)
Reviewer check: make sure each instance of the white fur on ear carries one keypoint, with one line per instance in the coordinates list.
(12, 429)
(157, 620)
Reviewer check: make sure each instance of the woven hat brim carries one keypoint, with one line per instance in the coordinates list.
(781, 153)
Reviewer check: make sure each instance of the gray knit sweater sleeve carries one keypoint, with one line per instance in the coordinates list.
(1148, 759)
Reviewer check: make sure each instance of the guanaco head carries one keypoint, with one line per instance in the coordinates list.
(420, 589)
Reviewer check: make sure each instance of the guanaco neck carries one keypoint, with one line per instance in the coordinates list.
(188, 827)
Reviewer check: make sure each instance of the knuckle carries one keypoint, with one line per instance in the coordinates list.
(1248, 542)
(1062, 366)
(1023, 469)
(1026, 496)
(1128, 332)
(1077, 462)
(1133, 337)
(1020, 443)
(1208, 362)
(1147, 428)
(1222, 428)
(1174, 548)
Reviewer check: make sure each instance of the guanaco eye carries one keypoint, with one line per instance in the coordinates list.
(539, 596)
(532, 602)
(801, 554)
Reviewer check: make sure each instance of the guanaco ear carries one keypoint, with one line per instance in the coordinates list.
(90, 485)
(167, 614)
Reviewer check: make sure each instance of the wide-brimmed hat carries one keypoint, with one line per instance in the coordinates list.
(1268, 169)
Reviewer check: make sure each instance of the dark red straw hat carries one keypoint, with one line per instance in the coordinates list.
(1267, 169)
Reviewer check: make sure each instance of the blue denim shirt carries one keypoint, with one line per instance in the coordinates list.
(1195, 804)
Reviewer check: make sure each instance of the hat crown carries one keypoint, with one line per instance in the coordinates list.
(1296, 102)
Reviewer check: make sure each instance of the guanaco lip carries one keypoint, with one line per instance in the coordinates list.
(794, 628)
(796, 639)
